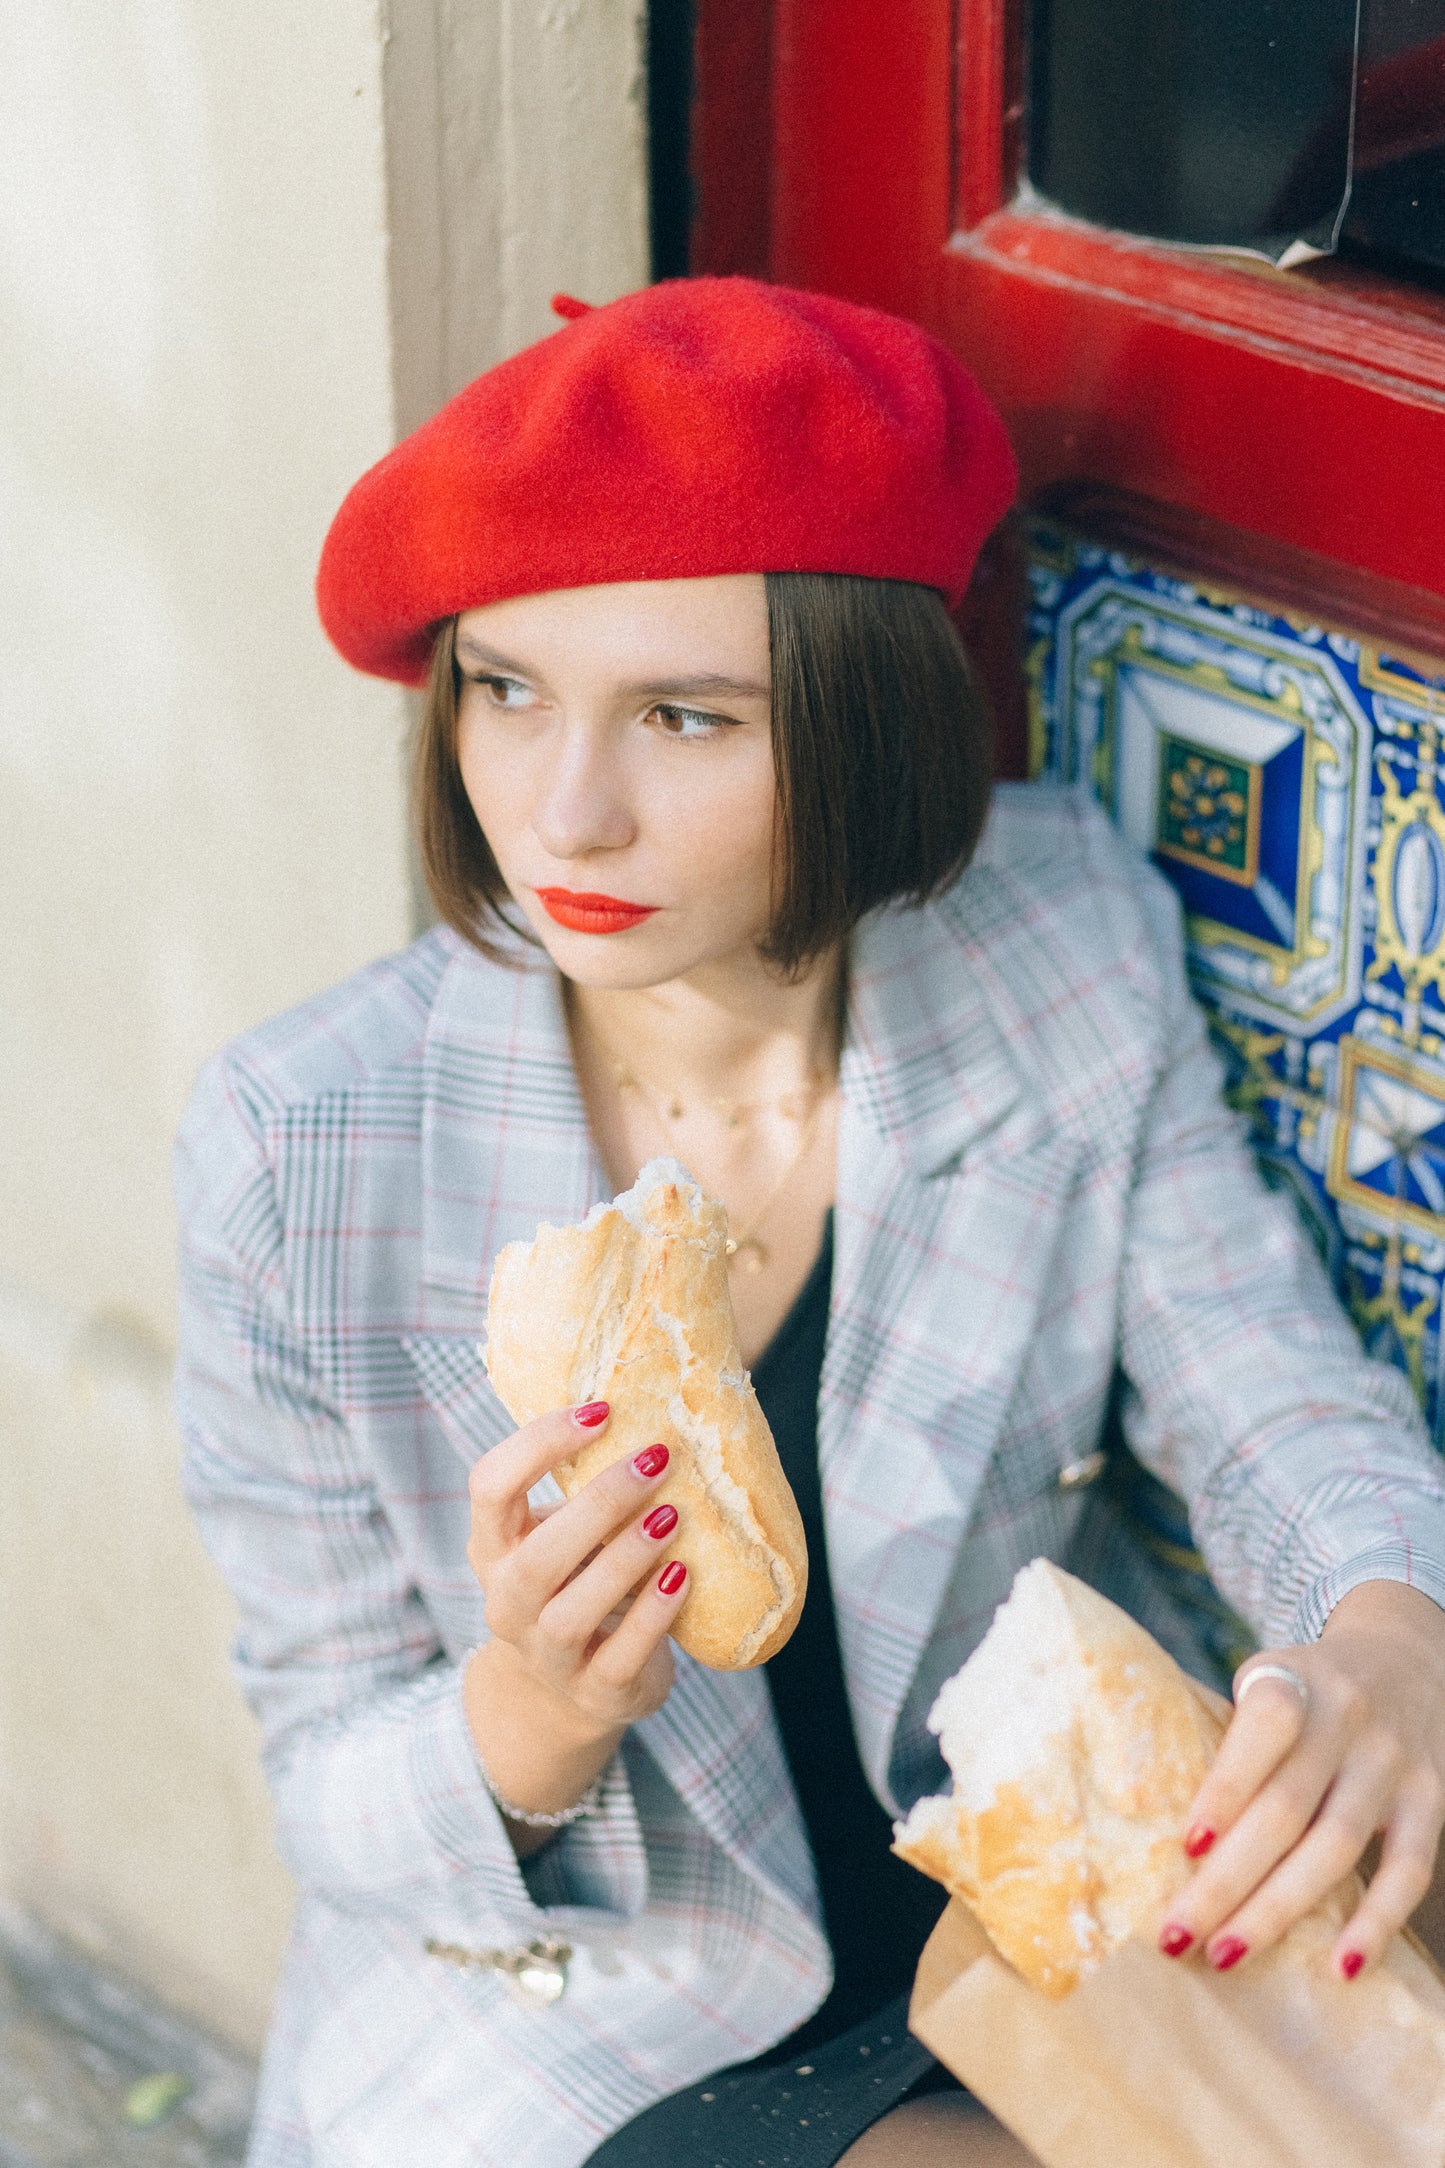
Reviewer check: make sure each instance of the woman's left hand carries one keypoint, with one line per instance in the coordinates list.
(1303, 1782)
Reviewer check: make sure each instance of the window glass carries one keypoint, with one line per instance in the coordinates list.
(1397, 203)
(1209, 121)
(1231, 123)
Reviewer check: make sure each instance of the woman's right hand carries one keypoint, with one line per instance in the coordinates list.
(577, 1611)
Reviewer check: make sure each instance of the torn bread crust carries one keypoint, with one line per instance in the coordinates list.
(736, 1507)
(1076, 1745)
(632, 1306)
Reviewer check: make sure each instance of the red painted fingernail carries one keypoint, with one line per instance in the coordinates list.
(660, 1522)
(1174, 1941)
(1227, 1951)
(1198, 1841)
(651, 1460)
(1352, 1962)
(590, 1414)
(671, 1578)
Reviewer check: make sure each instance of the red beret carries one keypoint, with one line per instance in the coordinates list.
(700, 426)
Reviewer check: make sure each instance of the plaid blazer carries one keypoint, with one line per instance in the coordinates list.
(1037, 1185)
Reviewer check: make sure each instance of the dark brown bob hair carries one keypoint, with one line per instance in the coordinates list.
(881, 747)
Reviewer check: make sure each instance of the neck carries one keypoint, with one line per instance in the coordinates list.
(717, 1033)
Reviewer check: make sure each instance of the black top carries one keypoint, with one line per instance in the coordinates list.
(878, 1911)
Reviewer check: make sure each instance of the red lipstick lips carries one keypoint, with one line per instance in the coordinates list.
(582, 913)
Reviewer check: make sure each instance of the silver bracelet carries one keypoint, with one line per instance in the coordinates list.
(589, 1803)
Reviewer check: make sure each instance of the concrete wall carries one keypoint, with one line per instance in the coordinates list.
(240, 251)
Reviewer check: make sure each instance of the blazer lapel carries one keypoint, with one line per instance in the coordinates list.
(505, 1142)
(505, 1145)
(951, 1178)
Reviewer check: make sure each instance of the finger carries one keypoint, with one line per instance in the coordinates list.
(1269, 1827)
(1264, 1729)
(556, 1551)
(1406, 1870)
(1357, 1803)
(501, 1479)
(624, 1655)
(578, 1612)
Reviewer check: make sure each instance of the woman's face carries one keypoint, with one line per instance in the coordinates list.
(616, 747)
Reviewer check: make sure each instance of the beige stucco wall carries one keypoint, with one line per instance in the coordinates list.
(239, 250)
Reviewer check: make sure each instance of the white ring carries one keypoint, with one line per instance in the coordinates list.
(1273, 1671)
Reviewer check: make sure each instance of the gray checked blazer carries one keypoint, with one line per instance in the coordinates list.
(1037, 1184)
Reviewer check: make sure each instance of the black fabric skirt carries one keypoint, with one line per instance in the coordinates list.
(800, 2111)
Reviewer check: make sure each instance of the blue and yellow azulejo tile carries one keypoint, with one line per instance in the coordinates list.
(1287, 778)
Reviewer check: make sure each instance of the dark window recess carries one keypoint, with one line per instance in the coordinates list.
(1228, 123)
(1397, 204)
(1221, 122)
(671, 29)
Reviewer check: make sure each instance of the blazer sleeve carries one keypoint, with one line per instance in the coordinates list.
(378, 1797)
(1305, 1465)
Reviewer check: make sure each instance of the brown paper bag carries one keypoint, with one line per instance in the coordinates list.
(1160, 2063)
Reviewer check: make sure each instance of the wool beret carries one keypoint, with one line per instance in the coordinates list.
(700, 426)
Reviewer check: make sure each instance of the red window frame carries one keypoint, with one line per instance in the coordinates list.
(874, 151)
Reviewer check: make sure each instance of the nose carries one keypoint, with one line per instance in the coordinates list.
(583, 806)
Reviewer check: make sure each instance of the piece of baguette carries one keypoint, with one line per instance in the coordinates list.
(633, 1307)
(1076, 1745)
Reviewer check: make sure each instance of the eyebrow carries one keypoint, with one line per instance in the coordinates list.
(699, 685)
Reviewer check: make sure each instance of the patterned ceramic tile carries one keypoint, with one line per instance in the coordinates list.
(1288, 780)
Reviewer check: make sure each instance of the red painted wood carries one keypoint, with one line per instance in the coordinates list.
(862, 157)
(1409, 622)
(1330, 315)
(1321, 453)
(989, 109)
(1308, 407)
(732, 137)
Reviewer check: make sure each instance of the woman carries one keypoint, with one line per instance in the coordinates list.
(703, 835)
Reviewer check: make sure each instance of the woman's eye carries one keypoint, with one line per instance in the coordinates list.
(688, 722)
(504, 692)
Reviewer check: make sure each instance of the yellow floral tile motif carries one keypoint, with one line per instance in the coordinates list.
(1208, 814)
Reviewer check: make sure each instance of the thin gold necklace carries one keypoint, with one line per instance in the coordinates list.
(752, 1255)
(794, 1106)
